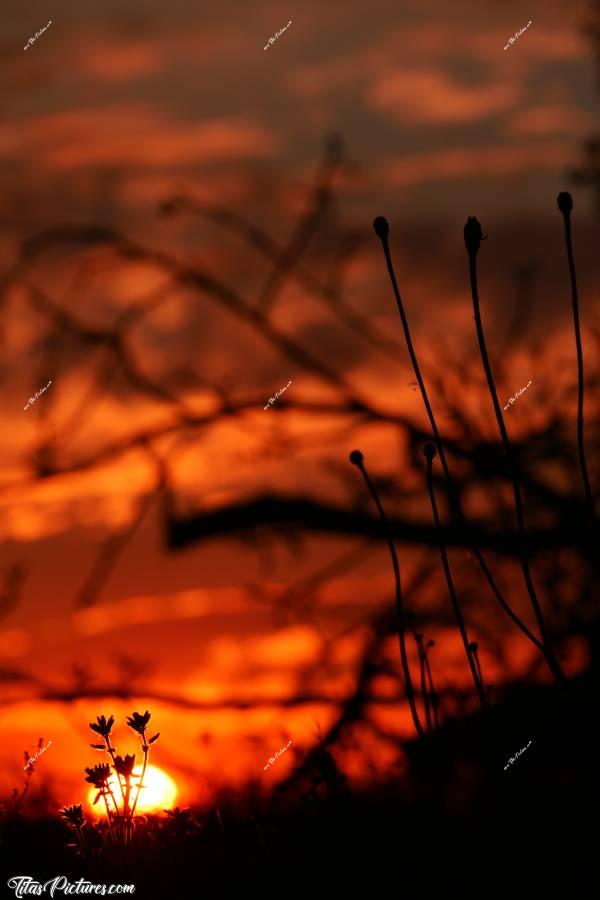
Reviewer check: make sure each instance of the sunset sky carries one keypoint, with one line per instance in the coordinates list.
(118, 107)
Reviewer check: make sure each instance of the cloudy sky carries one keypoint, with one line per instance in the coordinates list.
(119, 106)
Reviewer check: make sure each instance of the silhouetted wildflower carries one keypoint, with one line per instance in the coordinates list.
(101, 726)
(124, 765)
(138, 722)
(73, 814)
(180, 815)
(98, 775)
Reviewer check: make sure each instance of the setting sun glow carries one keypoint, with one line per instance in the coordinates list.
(159, 792)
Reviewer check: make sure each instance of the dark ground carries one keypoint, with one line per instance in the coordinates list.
(459, 825)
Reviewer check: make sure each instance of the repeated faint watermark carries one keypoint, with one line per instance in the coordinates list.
(513, 758)
(32, 759)
(23, 885)
(513, 39)
(279, 752)
(37, 34)
(37, 394)
(272, 40)
(273, 399)
(518, 394)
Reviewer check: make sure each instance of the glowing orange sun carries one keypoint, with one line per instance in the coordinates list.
(159, 792)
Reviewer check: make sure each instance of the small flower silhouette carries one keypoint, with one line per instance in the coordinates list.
(101, 726)
(98, 775)
(138, 723)
(124, 766)
(73, 815)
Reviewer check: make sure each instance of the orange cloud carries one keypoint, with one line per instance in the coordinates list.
(427, 95)
(138, 135)
(14, 642)
(476, 161)
(550, 119)
(295, 646)
(121, 62)
(439, 43)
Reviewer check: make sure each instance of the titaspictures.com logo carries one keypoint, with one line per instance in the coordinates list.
(24, 886)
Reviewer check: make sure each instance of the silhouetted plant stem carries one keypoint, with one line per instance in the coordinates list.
(259, 831)
(424, 690)
(110, 793)
(108, 813)
(473, 237)
(429, 452)
(111, 752)
(126, 811)
(141, 782)
(18, 803)
(220, 821)
(357, 459)
(418, 638)
(382, 230)
(432, 690)
(565, 205)
(82, 841)
(474, 647)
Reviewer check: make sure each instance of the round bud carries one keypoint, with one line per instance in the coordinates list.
(565, 202)
(382, 229)
(473, 235)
